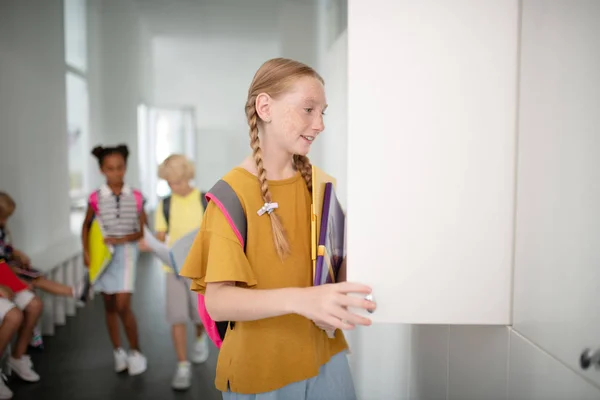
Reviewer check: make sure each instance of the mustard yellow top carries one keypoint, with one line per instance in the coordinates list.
(264, 355)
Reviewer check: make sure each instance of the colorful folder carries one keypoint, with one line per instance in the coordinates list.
(100, 253)
(181, 248)
(330, 249)
(319, 180)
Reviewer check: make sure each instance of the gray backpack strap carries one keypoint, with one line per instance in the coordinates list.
(203, 200)
(224, 197)
(167, 209)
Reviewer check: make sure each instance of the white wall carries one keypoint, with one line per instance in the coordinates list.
(426, 362)
(120, 58)
(33, 152)
(213, 76)
(211, 69)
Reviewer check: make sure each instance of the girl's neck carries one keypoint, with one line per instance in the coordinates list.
(116, 187)
(278, 163)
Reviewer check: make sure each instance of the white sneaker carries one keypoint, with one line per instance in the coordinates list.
(23, 367)
(201, 350)
(5, 392)
(183, 376)
(136, 363)
(120, 360)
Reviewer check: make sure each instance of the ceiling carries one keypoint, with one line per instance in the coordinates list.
(194, 17)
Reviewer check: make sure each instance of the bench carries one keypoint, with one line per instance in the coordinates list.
(61, 262)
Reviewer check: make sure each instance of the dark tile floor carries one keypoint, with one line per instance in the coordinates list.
(77, 364)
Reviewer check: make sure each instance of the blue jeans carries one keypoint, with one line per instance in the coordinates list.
(334, 382)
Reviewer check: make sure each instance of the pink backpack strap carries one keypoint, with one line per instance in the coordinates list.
(226, 199)
(139, 200)
(93, 200)
(210, 326)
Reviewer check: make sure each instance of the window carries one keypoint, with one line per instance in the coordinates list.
(162, 132)
(75, 35)
(77, 101)
(77, 131)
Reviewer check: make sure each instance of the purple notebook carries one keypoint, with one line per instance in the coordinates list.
(331, 239)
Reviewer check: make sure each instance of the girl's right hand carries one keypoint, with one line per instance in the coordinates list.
(86, 258)
(327, 305)
(143, 245)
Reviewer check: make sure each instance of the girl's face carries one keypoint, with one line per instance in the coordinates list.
(296, 117)
(114, 168)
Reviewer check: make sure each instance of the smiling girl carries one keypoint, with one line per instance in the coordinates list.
(278, 347)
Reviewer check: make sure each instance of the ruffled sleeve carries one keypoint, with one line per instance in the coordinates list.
(217, 255)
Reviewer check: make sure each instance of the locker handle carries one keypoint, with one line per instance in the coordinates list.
(589, 358)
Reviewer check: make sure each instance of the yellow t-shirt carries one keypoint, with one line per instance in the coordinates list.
(264, 355)
(185, 215)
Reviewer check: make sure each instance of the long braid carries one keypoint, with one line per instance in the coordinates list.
(274, 78)
(302, 164)
(281, 243)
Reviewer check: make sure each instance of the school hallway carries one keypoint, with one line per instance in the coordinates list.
(77, 362)
(463, 137)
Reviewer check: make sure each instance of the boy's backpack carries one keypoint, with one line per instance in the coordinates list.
(167, 206)
(95, 197)
(224, 197)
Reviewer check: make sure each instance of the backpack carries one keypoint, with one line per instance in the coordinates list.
(167, 206)
(95, 198)
(225, 198)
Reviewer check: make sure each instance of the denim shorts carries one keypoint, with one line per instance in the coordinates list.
(334, 382)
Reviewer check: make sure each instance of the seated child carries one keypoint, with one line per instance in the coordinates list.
(10, 321)
(20, 309)
(21, 264)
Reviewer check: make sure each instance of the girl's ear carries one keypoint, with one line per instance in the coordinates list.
(263, 107)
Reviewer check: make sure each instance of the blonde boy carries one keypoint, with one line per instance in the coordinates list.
(184, 214)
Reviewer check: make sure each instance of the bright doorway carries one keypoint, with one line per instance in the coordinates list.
(162, 132)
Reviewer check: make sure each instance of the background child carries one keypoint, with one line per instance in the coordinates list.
(10, 321)
(30, 310)
(122, 221)
(185, 212)
(21, 263)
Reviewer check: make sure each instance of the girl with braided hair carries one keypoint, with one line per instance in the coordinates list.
(278, 347)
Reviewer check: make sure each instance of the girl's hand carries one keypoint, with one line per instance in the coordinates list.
(327, 305)
(25, 260)
(143, 245)
(112, 240)
(330, 330)
(325, 327)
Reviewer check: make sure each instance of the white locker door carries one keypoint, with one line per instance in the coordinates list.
(557, 271)
(431, 157)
